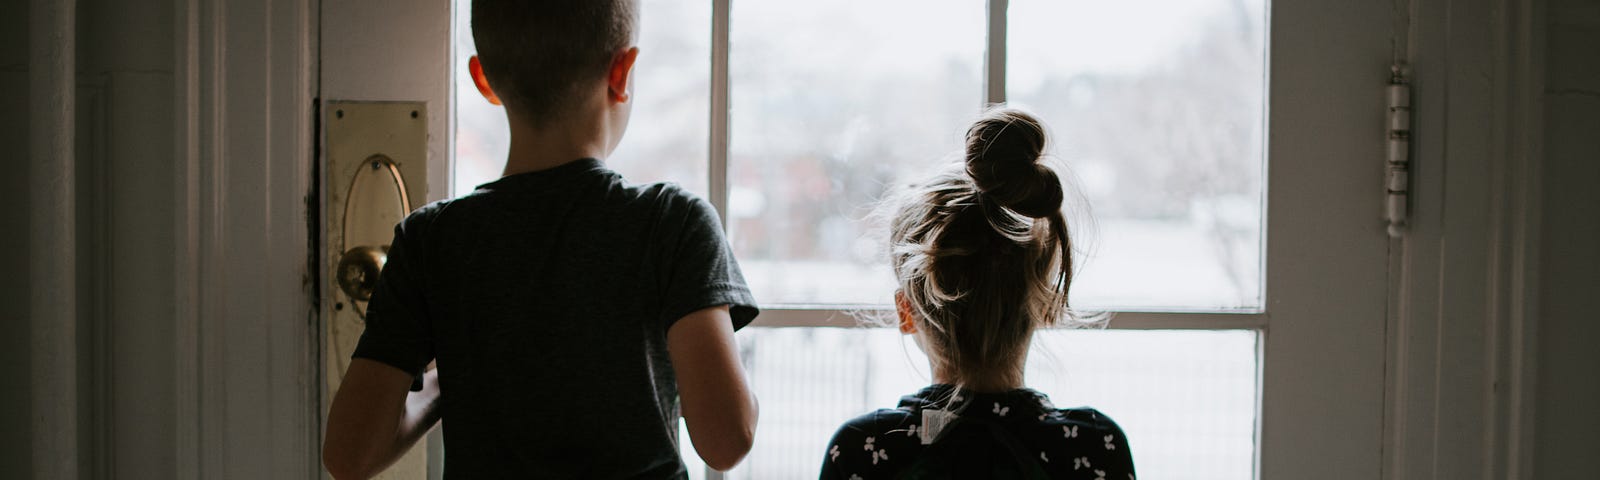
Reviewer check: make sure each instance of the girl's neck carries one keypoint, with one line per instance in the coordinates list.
(995, 383)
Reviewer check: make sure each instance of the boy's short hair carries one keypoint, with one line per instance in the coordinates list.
(537, 54)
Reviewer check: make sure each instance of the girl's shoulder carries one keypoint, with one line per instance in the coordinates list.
(1082, 417)
(1083, 440)
(1080, 428)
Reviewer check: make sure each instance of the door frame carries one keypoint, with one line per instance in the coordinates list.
(244, 332)
(1341, 377)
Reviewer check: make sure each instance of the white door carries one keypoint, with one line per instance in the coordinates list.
(383, 90)
(1229, 151)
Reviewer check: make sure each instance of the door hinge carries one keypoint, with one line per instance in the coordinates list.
(1397, 179)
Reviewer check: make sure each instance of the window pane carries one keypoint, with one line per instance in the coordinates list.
(667, 135)
(1186, 399)
(1157, 107)
(832, 102)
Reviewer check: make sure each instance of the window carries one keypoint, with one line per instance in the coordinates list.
(850, 98)
(1157, 110)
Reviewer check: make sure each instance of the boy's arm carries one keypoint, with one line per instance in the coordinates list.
(375, 418)
(716, 400)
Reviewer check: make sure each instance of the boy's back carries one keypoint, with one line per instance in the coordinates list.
(557, 300)
(546, 299)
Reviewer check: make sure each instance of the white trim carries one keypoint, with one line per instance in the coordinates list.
(720, 17)
(717, 166)
(243, 332)
(52, 266)
(187, 139)
(380, 51)
(1464, 282)
(994, 55)
(1322, 357)
(208, 217)
(1526, 66)
(96, 249)
(791, 316)
(1324, 345)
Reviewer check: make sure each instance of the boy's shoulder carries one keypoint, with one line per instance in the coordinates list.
(668, 193)
(419, 219)
(615, 199)
(672, 201)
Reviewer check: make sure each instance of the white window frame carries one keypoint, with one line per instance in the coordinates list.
(1321, 327)
(994, 86)
(1320, 366)
(1253, 319)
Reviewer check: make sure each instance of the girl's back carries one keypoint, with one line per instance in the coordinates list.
(1069, 443)
(983, 258)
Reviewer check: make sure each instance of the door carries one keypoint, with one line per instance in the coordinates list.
(384, 110)
(1278, 326)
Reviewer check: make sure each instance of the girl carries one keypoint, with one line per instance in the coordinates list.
(983, 258)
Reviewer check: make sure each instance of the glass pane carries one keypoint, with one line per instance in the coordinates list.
(667, 137)
(1157, 107)
(832, 102)
(1185, 398)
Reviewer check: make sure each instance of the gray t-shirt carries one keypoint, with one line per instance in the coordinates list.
(546, 299)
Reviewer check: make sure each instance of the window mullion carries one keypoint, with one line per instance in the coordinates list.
(994, 55)
(720, 15)
(721, 11)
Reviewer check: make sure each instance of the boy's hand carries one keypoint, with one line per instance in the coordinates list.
(716, 400)
(375, 418)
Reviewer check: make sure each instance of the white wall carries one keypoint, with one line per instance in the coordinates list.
(193, 163)
(125, 234)
(1567, 445)
(125, 64)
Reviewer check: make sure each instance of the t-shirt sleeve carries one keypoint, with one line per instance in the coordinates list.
(699, 270)
(397, 329)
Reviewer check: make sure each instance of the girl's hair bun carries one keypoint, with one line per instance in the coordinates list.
(1003, 152)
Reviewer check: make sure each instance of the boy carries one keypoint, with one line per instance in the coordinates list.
(568, 312)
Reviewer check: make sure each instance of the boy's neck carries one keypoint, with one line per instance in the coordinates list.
(557, 143)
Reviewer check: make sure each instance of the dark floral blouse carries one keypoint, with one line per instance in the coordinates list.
(1070, 443)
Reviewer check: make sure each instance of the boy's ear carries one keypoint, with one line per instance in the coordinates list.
(908, 324)
(620, 78)
(476, 69)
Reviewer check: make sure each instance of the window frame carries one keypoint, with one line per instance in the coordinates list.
(994, 89)
(1325, 323)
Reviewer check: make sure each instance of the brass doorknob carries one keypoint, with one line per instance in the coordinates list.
(358, 271)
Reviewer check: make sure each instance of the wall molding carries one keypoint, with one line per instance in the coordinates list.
(245, 338)
(53, 242)
(1462, 317)
(95, 252)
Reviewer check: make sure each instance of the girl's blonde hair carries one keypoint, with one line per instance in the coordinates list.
(982, 253)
